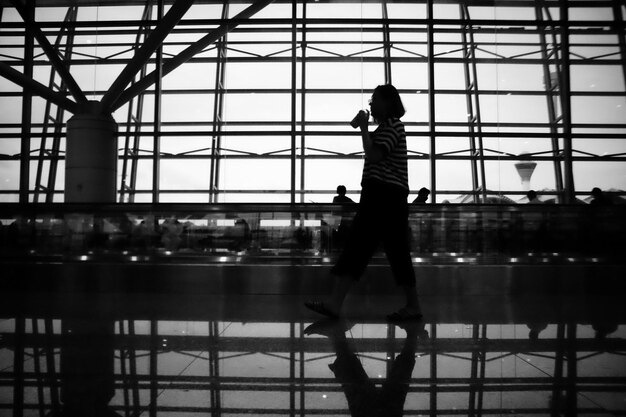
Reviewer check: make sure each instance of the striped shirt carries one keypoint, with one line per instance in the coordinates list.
(392, 169)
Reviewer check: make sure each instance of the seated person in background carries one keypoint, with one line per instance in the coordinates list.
(532, 197)
(600, 198)
(341, 197)
(422, 196)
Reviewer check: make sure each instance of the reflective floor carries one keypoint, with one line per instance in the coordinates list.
(211, 355)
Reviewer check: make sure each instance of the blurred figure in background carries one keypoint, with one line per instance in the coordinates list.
(422, 196)
(341, 197)
(600, 198)
(532, 197)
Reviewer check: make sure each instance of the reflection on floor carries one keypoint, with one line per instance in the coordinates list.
(194, 355)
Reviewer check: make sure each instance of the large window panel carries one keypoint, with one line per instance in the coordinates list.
(603, 174)
(335, 107)
(343, 10)
(416, 106)
(342, 62)
(346, 172)
(186, 107)
(453, 175)
(419, 175)
(255, 174)
(599, 79)
(412, 10)
(257, 107)
(511, 77)
(345, 75)
(450, 76)
(511, 108)
(258, 145)
(451, 108)
(502, 175)
(11, 109)
(257, 75)
(598, 109)
(412, 76)
(340, 145)
(189, 174)
(192, 76)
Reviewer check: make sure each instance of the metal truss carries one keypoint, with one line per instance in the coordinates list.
(552, 71)
(218, 112)
(473, 107)
(133, 124)
(54, 118)
(555, 57)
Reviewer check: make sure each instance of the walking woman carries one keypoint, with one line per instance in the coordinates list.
(382, 214)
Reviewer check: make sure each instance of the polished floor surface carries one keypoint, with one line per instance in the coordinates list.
(266, 355)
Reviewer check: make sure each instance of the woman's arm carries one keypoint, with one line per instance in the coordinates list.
(372, 152)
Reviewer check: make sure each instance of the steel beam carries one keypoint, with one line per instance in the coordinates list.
(151, 44)
(566, 105)
(386, 43)
(156, 139)
(431, 100)
(39, 89)
(551, 87)
(618, 16)
(473, 107)
(187, 54)
(27, 101)
(134, 125)
(50, 52)
(57, 120)
(303, 45)
(294, 60)
(218, 113)
(153, 368)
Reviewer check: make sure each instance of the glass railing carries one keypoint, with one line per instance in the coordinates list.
(306, 232)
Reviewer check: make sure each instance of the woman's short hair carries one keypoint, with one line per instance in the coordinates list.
(389, 93)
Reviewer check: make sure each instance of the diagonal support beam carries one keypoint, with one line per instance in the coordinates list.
(37, 88)
(187, 54)
(54, 58)
(173, 16)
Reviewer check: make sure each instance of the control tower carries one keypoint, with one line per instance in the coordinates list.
(525, 169)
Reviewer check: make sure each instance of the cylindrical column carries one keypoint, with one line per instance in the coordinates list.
(91, 159)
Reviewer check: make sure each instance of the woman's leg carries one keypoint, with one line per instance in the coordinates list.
(398, 253)
(363, 240)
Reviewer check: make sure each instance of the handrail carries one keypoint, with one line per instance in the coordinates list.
(310, 233)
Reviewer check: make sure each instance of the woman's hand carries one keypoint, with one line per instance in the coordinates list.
(360, 120)
(363, 119)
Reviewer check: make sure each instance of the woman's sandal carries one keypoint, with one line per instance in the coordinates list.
(328, 327)
(320, 307)
(403, 315)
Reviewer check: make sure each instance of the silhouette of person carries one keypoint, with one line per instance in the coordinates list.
(534, 328)
(535, 225)
(600, 198)
(238, 236)
(422, 196)
(604, 329)
(532, 197)
(87, 378)
(340, 234)
(364, 398)
(382, 213)
(341, 195)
